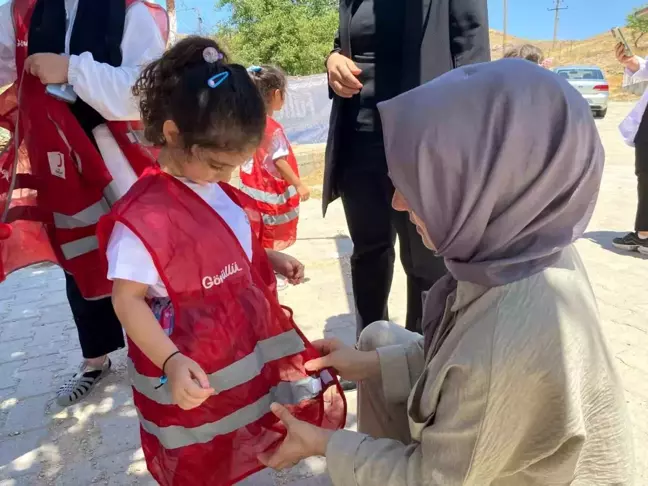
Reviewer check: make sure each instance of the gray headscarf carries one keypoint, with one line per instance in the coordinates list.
(502, 162)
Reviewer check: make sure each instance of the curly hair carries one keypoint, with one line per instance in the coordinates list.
(229, 117)
(268, 79)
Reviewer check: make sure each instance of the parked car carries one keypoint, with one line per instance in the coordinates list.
(591, 83)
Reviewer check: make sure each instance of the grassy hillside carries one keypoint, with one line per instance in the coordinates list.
(598, 51)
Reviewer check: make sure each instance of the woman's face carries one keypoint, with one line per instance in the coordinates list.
(400, 204)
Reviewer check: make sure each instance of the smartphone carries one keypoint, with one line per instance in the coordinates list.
(63, 92)
(618, 35)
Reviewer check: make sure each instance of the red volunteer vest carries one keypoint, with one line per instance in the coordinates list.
(228, 319)
(277, 200)
(54, 184)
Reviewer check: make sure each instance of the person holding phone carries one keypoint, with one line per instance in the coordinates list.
(75, 113)
(634, 130)
(382, 49)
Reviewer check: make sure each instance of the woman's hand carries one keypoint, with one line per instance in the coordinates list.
(49, 68)
(189, 383)
(288, 266)
(342, 75)
(302, 441)
(349, 363)
(630, 62)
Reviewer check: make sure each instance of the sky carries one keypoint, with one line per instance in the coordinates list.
(527, 18)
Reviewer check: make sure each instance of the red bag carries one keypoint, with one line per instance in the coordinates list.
(277, 200)
(54, 185)
(226, 318)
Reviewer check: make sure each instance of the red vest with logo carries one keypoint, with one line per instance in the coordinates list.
(278, 201)
(226, 318)
(54, 184)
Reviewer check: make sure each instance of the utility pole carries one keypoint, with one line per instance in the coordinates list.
(557, 8)
(505, 27)
(173, 22)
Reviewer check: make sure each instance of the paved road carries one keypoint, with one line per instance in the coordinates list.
(97, 441)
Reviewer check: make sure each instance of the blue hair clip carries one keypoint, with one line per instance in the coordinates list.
(218, 79)
(254, 69)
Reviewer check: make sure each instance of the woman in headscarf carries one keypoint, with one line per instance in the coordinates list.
(513, 383)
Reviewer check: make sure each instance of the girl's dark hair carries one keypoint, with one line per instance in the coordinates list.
(268, 79)
(229, 117)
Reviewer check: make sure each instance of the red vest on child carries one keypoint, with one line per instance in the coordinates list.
(54, 184)
(277, 200)
(226, 318)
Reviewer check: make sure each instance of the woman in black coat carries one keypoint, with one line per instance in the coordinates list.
(384, 48)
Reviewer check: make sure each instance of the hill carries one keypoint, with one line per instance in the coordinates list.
(597, 51)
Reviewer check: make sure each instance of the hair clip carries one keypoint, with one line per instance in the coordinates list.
(254, 69)
(211, 55)
(217, 79)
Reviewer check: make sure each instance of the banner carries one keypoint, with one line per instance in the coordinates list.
(305, 115)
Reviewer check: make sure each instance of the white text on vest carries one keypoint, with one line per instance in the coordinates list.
(228, 271)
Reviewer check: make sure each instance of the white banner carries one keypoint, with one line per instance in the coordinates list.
(305, 116)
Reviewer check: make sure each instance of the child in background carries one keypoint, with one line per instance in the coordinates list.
(271, 177)
(194, 288)
(530, 53)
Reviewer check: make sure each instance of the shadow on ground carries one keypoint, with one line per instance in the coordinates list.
(604, 240)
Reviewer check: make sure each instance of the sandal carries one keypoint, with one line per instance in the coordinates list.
(81, 384)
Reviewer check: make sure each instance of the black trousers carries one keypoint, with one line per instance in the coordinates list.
(366, 193)
(99, 329)
(641, 169)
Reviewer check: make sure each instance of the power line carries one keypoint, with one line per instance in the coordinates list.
(200, 20)
(557, 8)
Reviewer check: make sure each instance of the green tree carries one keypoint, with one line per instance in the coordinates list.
(637, 24)
(294, 34)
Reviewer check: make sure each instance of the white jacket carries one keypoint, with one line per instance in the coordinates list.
(630, 125)
(105, 88)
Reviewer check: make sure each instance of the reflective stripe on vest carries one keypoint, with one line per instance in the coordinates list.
(80, 247)
(88, 217)
(175, 436)
(269, 197)
(112, 193)
(279, 219)
(281, 346)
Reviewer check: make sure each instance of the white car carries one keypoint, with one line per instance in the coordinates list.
(591, 83)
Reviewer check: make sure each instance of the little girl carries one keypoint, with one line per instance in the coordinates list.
(195, 290)
(271, 177)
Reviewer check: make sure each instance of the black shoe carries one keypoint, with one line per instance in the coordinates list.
(348, 385)
(81, 384)
(632, 242)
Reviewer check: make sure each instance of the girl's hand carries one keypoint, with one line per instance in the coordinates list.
(304, 192)
(349, 363)
(50, 68)
(288, 266)
(189, 383)
(303, 440)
